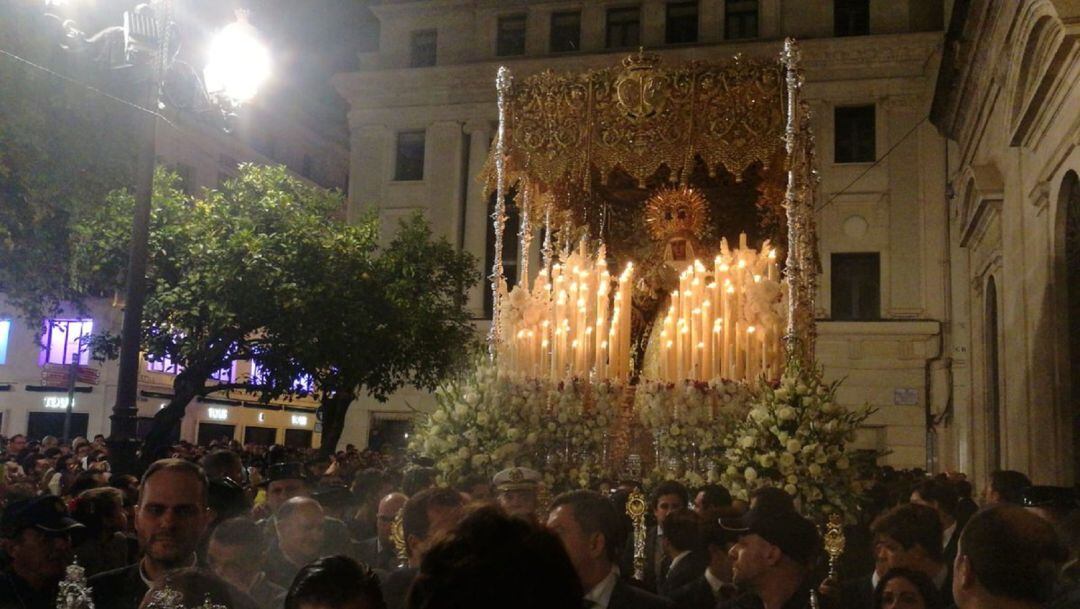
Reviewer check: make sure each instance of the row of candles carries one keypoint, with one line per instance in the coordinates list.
(711, 329)
(572, 325)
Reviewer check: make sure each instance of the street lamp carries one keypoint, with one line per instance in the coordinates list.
(238, 65)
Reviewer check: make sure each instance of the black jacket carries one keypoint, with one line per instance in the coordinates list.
(698, 594)
(15, 593)
(690, 567)
(395, 587)
(625, 596)
(367, 552)
(118, 589)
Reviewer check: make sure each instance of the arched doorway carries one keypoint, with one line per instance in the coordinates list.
(993, 378)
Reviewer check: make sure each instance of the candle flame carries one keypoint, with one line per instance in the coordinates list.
(751, 329)
(772, 254)
(731, 289)
(742, 264)
(757, 278)
(724, 268)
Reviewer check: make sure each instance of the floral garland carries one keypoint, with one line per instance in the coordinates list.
(794, 438)
(489, 421)
(690, 423)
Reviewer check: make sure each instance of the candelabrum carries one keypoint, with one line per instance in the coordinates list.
(635, 508)
(834, 543)
(397, 535)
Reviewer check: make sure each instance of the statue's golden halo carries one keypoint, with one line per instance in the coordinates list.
(676, 211)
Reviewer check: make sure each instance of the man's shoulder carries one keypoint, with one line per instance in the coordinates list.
(128, 573)
(625, 596)
(119, 588)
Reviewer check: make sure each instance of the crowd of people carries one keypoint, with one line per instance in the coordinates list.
(230, 526)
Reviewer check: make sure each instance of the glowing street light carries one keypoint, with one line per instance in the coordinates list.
(238, 62)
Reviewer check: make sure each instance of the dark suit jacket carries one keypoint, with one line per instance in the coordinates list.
(119, 588)
(855, 594)
(15, 593)
(697, 594)
(691, 567)
(395, 587)
(367, 552)
(279, 570)
(625, 596)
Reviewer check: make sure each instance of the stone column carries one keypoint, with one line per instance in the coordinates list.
(476, 220)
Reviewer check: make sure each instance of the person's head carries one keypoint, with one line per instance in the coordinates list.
(771, 499)
(195, 586)
(1006, 486)
(1006, 552)
(717, 542)
(335, 582)
(906, 589)
(285, 481)
(516, 491)
(101, 511)
(172, 512)
(16, 444)
(389, 506)
(491, 557)
(231, 553)
(908, 536)
(49, 442)
(425, 515)
(86, 480)
(940, 495)
(223, 464)
(591, 532)
(36, 536)
(710, 500)
(771, 548)
(682, 532)
(668, 496)
(418, 478)
(300, 529)
(477, 487)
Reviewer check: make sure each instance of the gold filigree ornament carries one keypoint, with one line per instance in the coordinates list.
(834, 543)
(635, 508)
(397, 536)
(676, 212)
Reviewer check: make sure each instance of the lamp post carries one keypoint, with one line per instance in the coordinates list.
(237, 65)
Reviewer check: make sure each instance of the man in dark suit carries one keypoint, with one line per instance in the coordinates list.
(714, 585)
(299, 526)
(423, 517)
(590, 530)
(232, 553)
(942, 496)
(668, 496)
(682, 545)
(170, 519)
(378, 552)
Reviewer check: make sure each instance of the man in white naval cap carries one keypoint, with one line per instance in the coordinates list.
(516, 491)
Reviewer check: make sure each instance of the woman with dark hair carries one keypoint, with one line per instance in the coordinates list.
(104, 546)
(906, 589)
(335, 582)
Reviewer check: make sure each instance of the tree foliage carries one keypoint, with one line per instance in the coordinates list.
(261, 269)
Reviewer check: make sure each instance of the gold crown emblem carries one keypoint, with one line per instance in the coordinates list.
(641, 60)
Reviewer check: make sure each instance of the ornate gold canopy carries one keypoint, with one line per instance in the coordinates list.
(563, 131)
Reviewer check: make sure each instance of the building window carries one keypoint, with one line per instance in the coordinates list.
(509, 253)
(682, 22)
(853, 128)
(851, 17)
(565, 32)
(301, 384)
(409, 163)
(422, 48)
(225, 375)
(740, 19)
(64, 340)
(5, 333)
(510, 37)
(163, 365)
(856, 287)
(623, 27)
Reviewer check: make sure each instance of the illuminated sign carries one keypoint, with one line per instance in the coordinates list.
(299, 420)
(56, 403)
(217, 414)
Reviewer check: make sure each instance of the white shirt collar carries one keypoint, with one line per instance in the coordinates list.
(714, 582)
(874, 579)
(675, 561)
(601, 592)
(946, 536)
(149, 582)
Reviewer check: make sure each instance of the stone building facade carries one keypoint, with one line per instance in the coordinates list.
(423, 110)
(1006, 100)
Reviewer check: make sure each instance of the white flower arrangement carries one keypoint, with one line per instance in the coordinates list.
(488, 421)
(794, 437)
(690, 423)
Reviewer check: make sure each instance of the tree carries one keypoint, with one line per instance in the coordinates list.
(261, 269)
(61, 151)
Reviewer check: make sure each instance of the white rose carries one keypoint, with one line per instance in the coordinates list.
(479, 461)
(746, 442)
(439, 416)
(791, 490)
(482, 418)
(461, 411)
(815, 470)
(750, 474)
(794, 446)
(786, 413)
(787, 460)
(463, 453)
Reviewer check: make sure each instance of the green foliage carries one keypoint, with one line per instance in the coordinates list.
(62, 149)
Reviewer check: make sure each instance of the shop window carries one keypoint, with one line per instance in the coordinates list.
(565, 32)
(5, 334)
(740, 19)
(64, 340)
(409, 160)
(262, 436)
(41, 424)
(856, 287)
(389, 435)
(623, 27)
(851, 17)
(682, 22)
(215, 432)
(510, 36)
(298, 438)
(854, 130)
(422, 48)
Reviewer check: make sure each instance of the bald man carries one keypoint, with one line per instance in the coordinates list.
(300, 532)
(379, 552)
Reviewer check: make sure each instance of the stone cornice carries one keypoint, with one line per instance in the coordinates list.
(826, 59)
